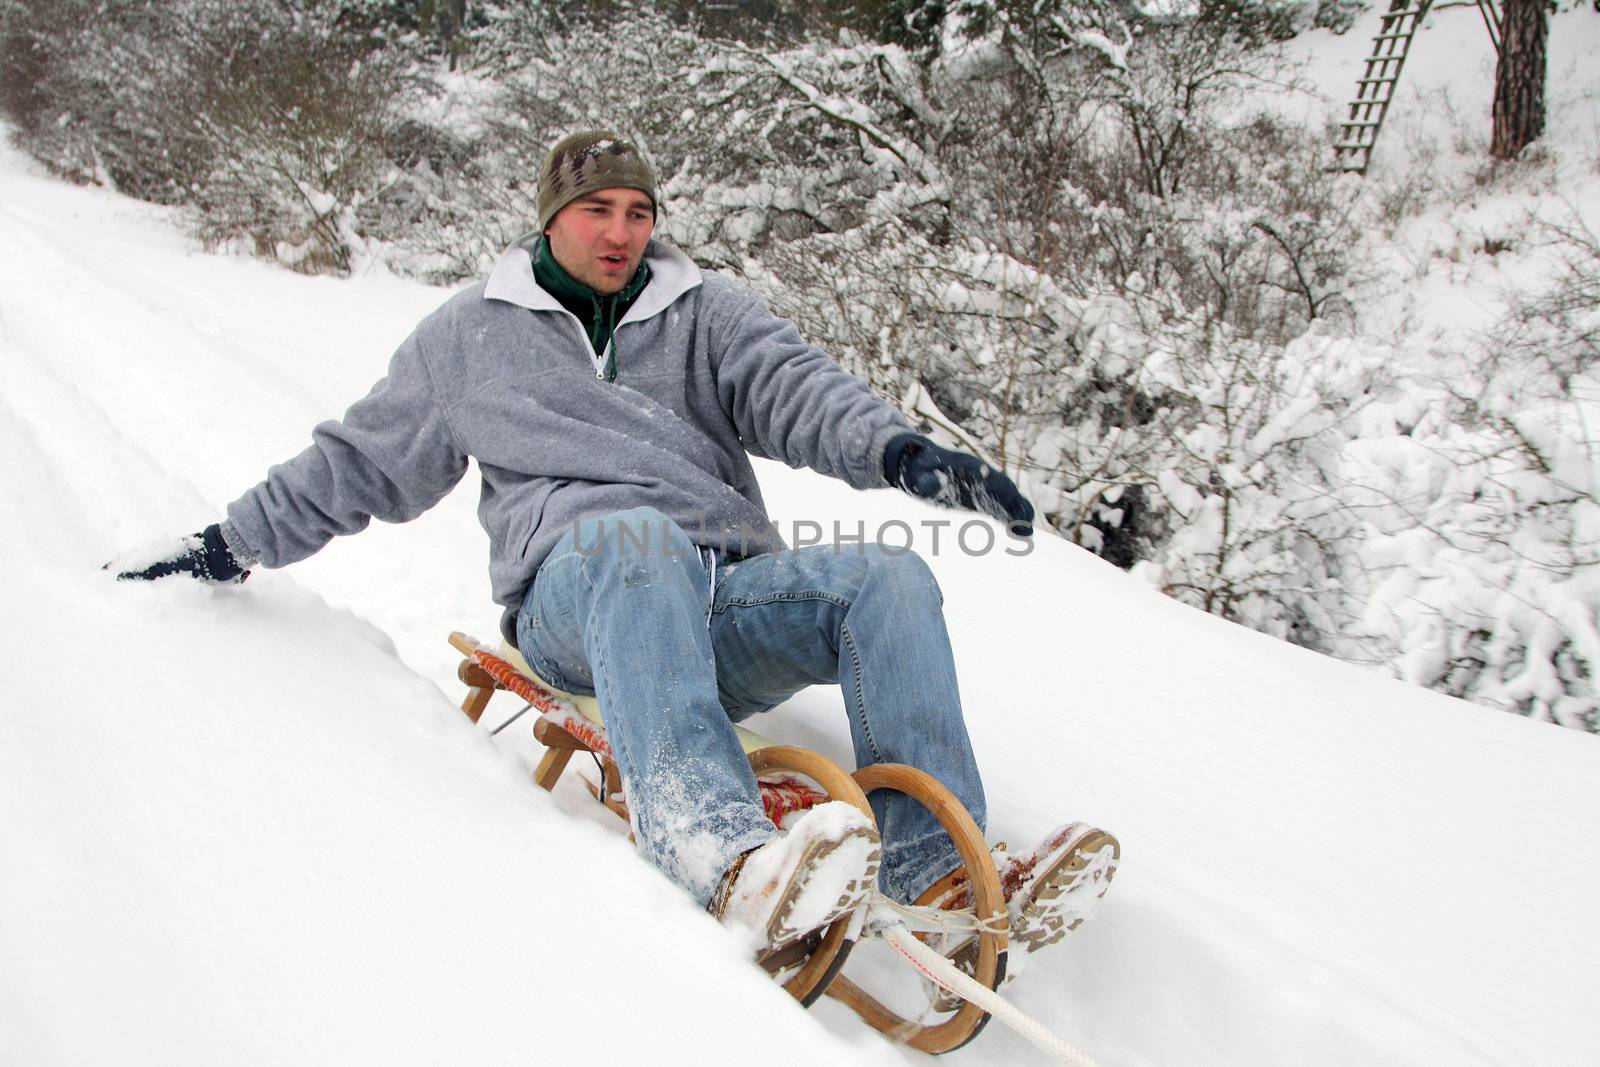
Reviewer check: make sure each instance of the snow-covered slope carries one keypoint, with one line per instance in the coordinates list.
(248, 826)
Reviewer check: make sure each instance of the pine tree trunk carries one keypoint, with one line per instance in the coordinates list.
(1519, 78)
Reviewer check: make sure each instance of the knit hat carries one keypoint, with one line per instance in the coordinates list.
(586, 162)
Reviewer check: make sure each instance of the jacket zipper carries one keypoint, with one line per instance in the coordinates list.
(599, 363)
(710, 560)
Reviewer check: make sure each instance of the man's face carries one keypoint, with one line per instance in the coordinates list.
(599, 238)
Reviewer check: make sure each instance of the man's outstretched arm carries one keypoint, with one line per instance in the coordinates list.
(793, 403)
(391, 457)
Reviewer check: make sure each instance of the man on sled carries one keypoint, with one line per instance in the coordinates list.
(611, 393)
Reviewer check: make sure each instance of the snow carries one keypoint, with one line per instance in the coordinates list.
(246, 825)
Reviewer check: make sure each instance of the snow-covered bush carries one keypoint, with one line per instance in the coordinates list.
(979, 347)
(268, 119)
(1479, 487)
(1250, 487)
(300, 123)
(107, 93)
(1339, 15)
(1207, 242)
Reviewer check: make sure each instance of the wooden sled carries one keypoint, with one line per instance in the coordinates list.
(790, 779)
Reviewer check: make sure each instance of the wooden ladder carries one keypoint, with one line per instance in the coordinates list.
(1359, 131)
(1491, 21)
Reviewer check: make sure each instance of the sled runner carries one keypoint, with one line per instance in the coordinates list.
(792, 779)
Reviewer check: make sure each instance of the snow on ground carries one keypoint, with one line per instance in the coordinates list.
(247, 825)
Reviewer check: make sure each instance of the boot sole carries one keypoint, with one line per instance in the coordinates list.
(779, 933)
(1037, 924)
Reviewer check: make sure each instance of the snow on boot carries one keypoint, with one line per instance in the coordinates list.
(819, 870)
(1050, 890)
(1057, 887)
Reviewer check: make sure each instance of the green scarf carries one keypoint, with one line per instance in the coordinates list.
(598, 314)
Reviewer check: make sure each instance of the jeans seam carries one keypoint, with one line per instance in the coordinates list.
(583, 570)
(597, 668)
(848, 643)
(793, 596)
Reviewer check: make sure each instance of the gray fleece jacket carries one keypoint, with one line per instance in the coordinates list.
(503, 374)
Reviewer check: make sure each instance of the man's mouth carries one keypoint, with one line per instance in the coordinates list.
(615, 259)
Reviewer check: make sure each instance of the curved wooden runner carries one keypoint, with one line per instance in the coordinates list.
(989, 903)
(820, 968)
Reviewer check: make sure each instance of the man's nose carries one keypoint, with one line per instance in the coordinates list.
(616, 229)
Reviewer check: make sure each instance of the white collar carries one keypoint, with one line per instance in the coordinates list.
(671, 275)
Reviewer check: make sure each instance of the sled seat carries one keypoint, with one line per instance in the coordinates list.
(589, 707)
(570, 722)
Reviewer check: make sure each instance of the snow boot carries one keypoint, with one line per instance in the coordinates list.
(819, 870)
(1050, 890)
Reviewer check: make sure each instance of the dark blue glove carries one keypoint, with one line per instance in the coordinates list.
(203, 556)
(956, 480)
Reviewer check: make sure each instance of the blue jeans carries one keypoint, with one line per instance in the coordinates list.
(623, 608)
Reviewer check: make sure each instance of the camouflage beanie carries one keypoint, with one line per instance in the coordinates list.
(587, 162)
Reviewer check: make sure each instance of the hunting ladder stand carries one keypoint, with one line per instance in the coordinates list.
(1375, 88)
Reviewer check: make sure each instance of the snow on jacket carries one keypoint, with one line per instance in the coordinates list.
(503, 374)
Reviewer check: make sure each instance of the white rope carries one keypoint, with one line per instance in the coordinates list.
(942, 971)
(942, 920)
